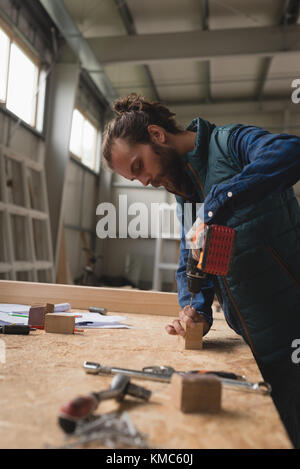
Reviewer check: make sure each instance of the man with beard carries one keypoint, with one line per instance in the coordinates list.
(244, 175)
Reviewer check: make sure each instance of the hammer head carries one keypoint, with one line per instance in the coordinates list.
(119, 384)
(122, 384)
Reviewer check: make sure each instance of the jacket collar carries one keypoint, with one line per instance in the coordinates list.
(195, 161)
(203, 131)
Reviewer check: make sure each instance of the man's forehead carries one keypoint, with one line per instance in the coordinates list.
(122, 156)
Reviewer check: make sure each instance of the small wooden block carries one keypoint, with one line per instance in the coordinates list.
(193, 337)
(36, 315)
(60, 323)
(49, 308)
(196, 393)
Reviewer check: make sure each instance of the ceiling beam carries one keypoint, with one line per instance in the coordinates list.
(70, 32)
(227, 107)
(131, 30)
(198, 45)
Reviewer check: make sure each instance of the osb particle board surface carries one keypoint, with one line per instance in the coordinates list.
(44, 371)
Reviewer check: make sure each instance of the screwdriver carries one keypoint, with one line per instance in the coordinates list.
(17, 329)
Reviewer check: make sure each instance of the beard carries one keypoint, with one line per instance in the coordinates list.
(171, 168)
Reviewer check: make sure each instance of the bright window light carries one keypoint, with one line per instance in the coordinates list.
(4, 53)
(84, 140)
(41, 97)
(22, 85)
(89, 144)
(76, 133)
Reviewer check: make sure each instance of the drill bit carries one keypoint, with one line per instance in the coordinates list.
(192, 297)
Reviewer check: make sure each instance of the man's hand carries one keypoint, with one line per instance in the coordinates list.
(190, 316)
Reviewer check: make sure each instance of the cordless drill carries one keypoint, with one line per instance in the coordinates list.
(211, 254)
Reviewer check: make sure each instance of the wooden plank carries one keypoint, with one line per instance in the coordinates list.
(113, 299)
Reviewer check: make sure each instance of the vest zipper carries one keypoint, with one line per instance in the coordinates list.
(197, 179)
(282, 264)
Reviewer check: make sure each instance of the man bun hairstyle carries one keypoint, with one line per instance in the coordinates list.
(133, 115)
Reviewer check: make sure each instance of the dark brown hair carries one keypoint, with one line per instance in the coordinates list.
(134, 114)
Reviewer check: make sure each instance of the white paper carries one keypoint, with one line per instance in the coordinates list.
(7, 308)
(6, 318)
(97, 325)
(96, 321)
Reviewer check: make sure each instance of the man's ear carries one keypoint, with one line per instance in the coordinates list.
(157, 134)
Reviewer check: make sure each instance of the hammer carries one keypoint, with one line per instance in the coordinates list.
(83, 406)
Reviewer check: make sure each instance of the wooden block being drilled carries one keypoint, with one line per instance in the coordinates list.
(60, 323)
(196, 393)
(193, 337)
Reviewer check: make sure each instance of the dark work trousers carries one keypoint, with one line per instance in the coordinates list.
(284, 377)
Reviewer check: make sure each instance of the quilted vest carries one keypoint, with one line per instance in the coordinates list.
(261, 295)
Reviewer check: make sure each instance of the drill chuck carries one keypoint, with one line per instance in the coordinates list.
(194, 275)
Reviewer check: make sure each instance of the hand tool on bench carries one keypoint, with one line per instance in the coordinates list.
(95, 309)
(83, 406)
(15, 329)
(164, 374)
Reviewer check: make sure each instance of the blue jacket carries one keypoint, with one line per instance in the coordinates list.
(244, 174)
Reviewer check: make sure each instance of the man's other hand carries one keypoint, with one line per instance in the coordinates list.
(189, 316)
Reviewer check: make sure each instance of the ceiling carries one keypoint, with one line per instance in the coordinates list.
(205, 51)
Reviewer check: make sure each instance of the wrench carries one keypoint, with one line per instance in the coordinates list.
(164, 374)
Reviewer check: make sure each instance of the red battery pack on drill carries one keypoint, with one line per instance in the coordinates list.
(212, 254)
(217, 249)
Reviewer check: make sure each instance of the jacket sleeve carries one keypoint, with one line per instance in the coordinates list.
(270, 163)
(202, 301)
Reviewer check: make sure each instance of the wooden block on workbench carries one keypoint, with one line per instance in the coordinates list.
(196, 393)
(193, 337)
(60, 323)
(49, 308)
(37, 314)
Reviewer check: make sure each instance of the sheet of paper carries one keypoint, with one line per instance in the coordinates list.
(6, 318)
(98, 321)
(96, 325)
(12, 314)
(95, 317)
(12, 308)
(7, 308)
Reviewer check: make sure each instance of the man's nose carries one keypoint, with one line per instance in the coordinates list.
(145, 180)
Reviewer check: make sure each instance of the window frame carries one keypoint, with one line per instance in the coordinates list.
(92, 121)
(34, 58)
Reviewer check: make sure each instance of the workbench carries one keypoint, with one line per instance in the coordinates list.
(44, 371)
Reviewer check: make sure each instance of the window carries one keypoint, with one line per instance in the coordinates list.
(84, 141)
(22, 82)
(4, 54)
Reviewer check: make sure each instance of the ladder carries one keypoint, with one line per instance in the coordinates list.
(159, 264)
(25, 237)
